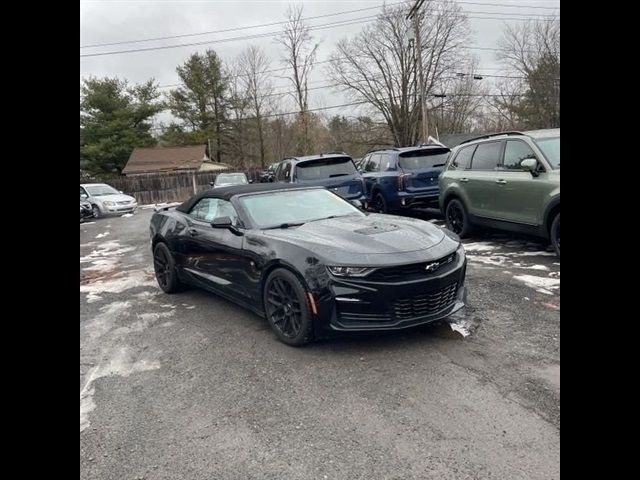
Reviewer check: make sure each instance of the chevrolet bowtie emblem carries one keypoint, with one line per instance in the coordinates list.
(432, 267)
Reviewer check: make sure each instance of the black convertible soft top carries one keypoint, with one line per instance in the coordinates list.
(225, 193)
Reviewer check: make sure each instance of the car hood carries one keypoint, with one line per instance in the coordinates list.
(382, 239)
(116, 197)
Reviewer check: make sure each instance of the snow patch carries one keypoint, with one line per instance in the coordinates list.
(540, 284)
(126, 215)
(479, 247)
(101, 235)
(121, 364)
(136, 278)
(496, 260)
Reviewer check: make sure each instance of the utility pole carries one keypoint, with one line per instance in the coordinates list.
(413, 14)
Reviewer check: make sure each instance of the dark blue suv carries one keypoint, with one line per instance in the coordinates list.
(335, 171)
(402, 178)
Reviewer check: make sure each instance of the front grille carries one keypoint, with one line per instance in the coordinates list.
(423, 305)
(411, 271)
(347, 314)
(126, 202)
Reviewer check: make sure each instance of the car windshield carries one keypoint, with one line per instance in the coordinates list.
(295, 207)
(419, 159)
(98, 190)
(551, 149)
(325, 168)
(235, 179)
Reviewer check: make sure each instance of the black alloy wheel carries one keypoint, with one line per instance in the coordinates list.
(287, 308)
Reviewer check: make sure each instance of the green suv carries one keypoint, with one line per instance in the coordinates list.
(509, 181)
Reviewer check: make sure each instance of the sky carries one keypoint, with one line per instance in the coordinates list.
(111, 21)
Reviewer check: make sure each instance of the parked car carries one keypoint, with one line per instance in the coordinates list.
(227, 179)
(269, 174)
(308, 260)
(85, 210)
(509, 181)
(335, 171)
(106, 200)
(402, 178)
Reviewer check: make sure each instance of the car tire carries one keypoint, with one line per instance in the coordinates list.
(96, 211)
(165, 269)
(457, 218)
(379, 203)
(287, 308)
(555, 234)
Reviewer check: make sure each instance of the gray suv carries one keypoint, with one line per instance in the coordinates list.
(509, 181)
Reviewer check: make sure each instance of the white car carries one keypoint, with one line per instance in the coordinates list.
(227, 179)
(106, 200)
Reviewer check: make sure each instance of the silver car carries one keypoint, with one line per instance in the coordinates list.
(226, 179)
(106, 200)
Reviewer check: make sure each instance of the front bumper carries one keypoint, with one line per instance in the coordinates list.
(358, 305)
(117, 209)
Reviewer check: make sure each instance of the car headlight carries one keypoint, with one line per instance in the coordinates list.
(350, 271)
(108, 204)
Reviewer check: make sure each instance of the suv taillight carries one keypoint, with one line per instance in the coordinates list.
(402, 181)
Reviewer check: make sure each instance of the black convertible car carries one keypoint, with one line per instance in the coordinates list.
(308, 260)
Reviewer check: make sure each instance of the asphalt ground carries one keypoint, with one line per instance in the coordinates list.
(191, 386)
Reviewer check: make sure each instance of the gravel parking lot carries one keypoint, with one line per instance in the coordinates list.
(190, 386)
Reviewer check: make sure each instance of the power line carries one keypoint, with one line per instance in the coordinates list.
(124, 42)
(232, 29)
(343, 23)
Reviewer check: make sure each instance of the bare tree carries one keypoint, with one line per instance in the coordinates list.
(300, 56)
(460, 109)
(378, 67)
(254, 65)
(532, 49)
(239, 108)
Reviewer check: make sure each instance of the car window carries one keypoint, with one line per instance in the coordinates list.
(100, 190)
(463, 158)
(82, 191)
(386, 162)
(286, 172)
(486, 156)
(231, 179)
(551, 149)
(269, 210)
(325, 168)
(515, 152)
(427, 158)
(373, 165)
(279, 169)
(208, 209)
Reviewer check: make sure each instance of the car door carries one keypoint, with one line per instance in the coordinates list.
(520, 195)
(213, 256)
(481, 178)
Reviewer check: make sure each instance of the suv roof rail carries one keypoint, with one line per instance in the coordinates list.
(340, 152)
(378, 149)
(482, 137)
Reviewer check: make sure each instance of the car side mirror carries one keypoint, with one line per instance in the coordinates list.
(120, 191)
(211, 184)
(83, 196)
(225, 222)
(250, 181)
(530, 165)
(356, 203)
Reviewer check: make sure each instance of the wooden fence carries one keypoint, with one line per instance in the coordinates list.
(161, 188)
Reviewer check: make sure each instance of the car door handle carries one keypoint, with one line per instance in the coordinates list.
(193, 232)
(501, 181)
(464, 180)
